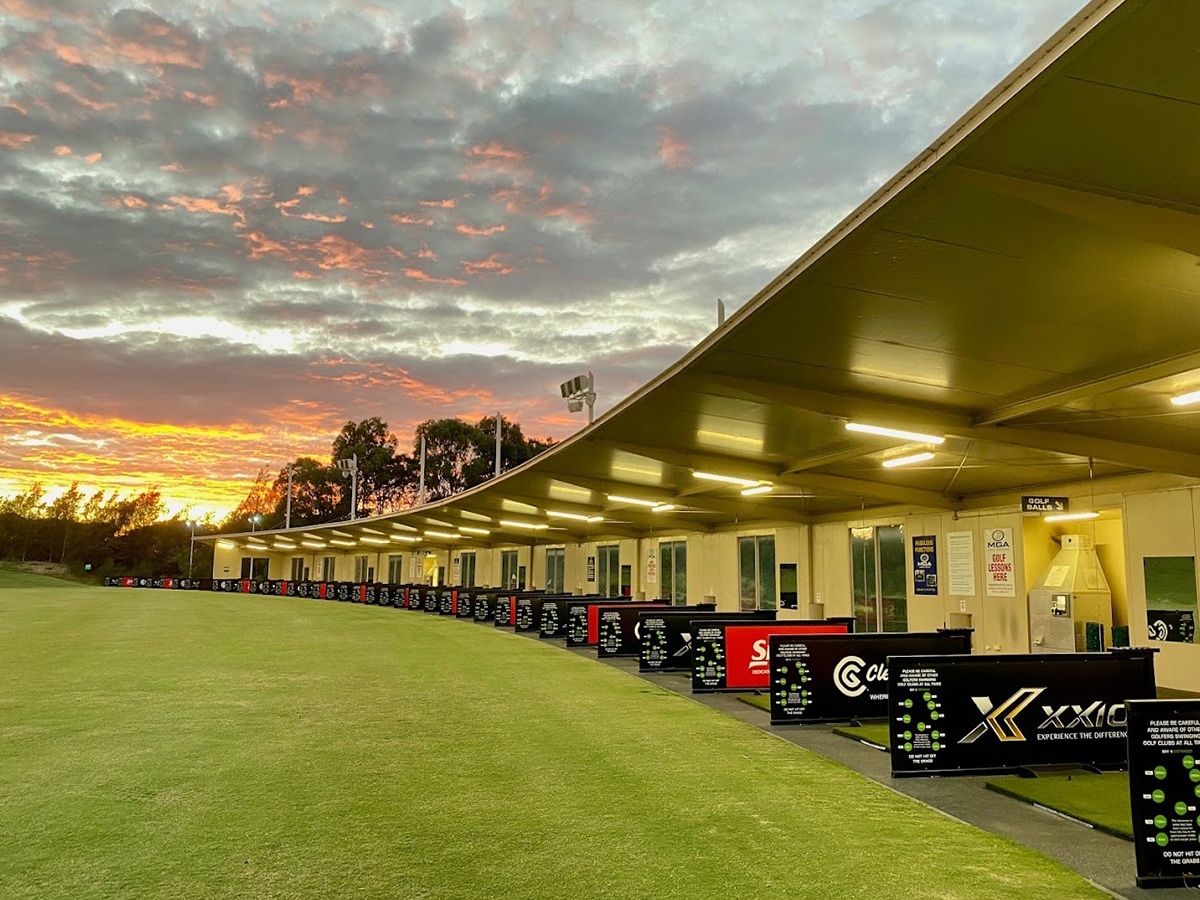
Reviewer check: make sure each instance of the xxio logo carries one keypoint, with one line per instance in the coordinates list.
(852, 674)
(1001, 720)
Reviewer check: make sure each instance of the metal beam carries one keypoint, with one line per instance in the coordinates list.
(1133, 456)
(861, 487)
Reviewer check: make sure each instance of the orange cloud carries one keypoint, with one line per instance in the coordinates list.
(480, 232)
(442, 204)
(426, 278)
(12, 140)
(410, 219)
(493, 265)
(673, 150)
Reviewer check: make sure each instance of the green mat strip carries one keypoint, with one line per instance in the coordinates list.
(1099, 801)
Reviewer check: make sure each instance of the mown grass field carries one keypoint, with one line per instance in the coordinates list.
(167, 744)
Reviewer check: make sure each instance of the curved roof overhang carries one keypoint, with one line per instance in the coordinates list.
(1027, 289)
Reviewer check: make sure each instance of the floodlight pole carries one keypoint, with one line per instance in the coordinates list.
(497, 445)
(421, 491)
(590, 397)
(287, 521)
(192, 547)
(354, 487)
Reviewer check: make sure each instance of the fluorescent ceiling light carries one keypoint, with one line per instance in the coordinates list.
(576, 516)
(726, 479)
(401, 527)
(442, 534)
(371, 540)
(906, 460)
(528, 525)
(758, 489)
(370, 530)
(341, 533)
(226, 544)
(471, 530)
(1185, 399)
(895, 433)
(1071, 517)
(312, 544)
(663, 507)
(617, 498)
(405, 537)
(338, 543)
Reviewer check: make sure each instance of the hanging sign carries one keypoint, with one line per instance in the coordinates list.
(1000, 579)
(924, 556)
(1045, 504)
(960, 548)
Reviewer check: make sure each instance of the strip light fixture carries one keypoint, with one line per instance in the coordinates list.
(895, 433)
(374, 540)
(757, 489)
(727, 479)
(576, 516)
(344, 534)
(313, 545)
(617, 498)
(407, 538)
(527, 525)
(1071, 517)
(906, 460)
(226, 544)
(442, 534)
(1185, 399)
(469, 529)
(340, 543)
(663, 507)
(399, 526)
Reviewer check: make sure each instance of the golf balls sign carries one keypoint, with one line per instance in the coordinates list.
(1164, 790)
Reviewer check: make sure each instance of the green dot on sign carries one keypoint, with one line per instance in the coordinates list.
(908, 703)
(927, 695)
(920, 726)
(908, 748)
(1160, 821)
(1160, 772)
(1161, 839)
(934, 714)
(931, 705)
(1198, 790)
(1189, 761)
(908, 735)
(1158, 796)
(936, 735)
(937, 746)
(1181, 808)
(1194, 774)
(907, 718)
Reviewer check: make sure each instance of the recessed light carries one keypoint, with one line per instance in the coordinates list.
(1185, 399)
(1071, 517)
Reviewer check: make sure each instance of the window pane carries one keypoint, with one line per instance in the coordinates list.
(766, 572)
(893, 585)
(247, 566)
(665, 579)
(614, 571)
(862, 564)
(747, 594)
(680, 584)
(260, 568)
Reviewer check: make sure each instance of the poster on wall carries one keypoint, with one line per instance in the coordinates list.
(924, 559)
(960, 549)
(651, 566)
(1164, 790)
(1170, 598)
(591, 568)
(1000, 571)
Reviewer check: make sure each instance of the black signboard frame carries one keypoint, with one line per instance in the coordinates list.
(620, 628)
(843, 677)
(957, 715)
(484, 604)
(711, 650)
(1164, 791)
(665, 648)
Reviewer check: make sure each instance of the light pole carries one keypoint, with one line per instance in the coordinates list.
(255, 521)
(191, 547)
(349, 469)
(580, 390)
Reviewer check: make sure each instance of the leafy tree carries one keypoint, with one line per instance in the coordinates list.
(261, 500)
(379, 481)
(317, 492)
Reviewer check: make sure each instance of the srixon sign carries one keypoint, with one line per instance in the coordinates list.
(583, 618)
(621, 628)
(839, 677)
(951, 715)
(733, 655)
(667, 635)
(1164, 791)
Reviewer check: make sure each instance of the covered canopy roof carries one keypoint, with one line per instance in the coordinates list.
(1027, 289)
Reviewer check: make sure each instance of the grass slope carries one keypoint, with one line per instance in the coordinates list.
(12, 578)
(159, 744)
(1101, 800)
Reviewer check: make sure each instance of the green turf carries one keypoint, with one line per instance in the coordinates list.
(759, 701)
(12, 577)
(1101, 800)
(874, 734)
(161, 744)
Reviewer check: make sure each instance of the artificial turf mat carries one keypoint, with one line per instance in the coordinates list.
(1100, 800)
(869, 733)
(759, 701)
(187, 745)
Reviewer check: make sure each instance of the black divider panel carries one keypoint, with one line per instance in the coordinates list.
(951, 715)
(1164, 791)
(485, 606)
(666, 636)
(343, 591)
(504, 610)
(619, 626)
(205, 584)
(383, 594)
(839, 677)
(583, 619)
(431, 599)
(529, 613)
(446, 601)
(465, 608)
(732, 655)
(553, 623)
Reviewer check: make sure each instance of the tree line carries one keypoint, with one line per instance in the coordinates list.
(105, 534)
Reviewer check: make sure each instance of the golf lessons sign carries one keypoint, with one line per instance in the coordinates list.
(839, 677)
(961, 714)
(1164, 791)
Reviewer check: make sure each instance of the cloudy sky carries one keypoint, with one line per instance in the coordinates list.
(227, 227)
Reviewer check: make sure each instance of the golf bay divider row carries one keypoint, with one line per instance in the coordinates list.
(583, 618)
(840, 677)
(952, 715)
(732, 655)
(666, 635)
(620, 627)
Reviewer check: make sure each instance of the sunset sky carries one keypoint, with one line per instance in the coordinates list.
(228, 227)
